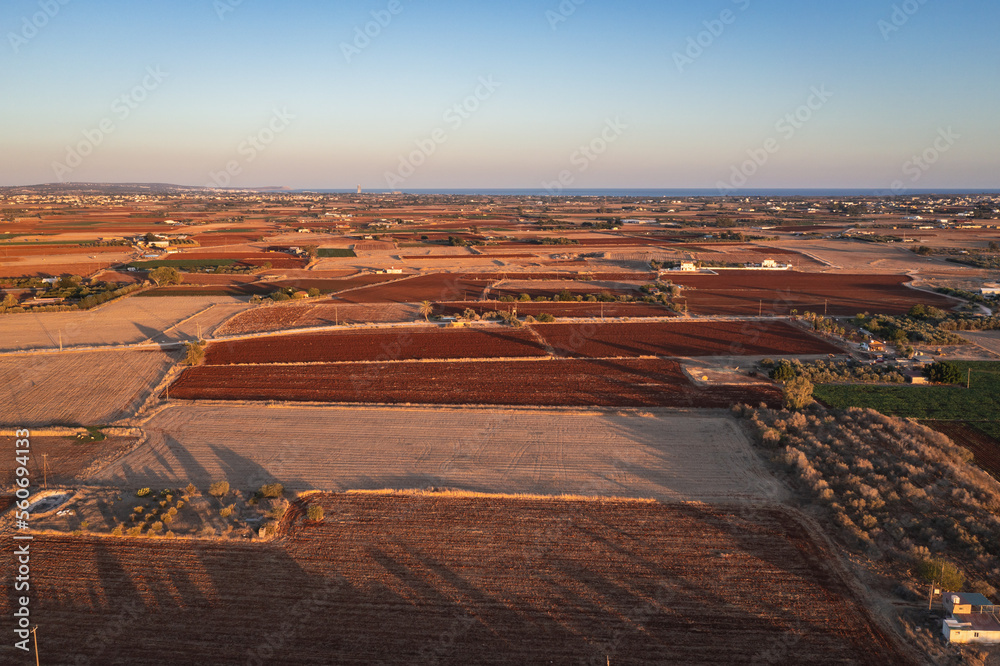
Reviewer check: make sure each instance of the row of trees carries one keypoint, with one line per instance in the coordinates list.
(892, 488)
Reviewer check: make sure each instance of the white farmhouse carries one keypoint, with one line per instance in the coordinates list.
(970, 618)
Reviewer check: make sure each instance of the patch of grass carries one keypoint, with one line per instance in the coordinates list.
(328, 252)
(94, 434)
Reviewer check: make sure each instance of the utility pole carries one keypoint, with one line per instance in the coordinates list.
(60, 339)
(34, 634)
(336, 316)
(968, 380)
(45, 470)
(826, 302)
(760, 308)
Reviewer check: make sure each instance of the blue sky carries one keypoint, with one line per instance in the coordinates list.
(685, 116)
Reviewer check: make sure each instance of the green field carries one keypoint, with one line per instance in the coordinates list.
(182, 263)
(978, 405)
(327, 252)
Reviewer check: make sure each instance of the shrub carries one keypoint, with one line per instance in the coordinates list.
(272, 490)
(227, 511)
(190, 489)
(798, 393)
(156, 527)
(546, 318)
(944, 372)
(167, 518)
(118, 530)
(314, 513)
(142, 492)
(218, 489)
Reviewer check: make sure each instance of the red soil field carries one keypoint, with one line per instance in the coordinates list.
(214, 240)
(328, 286)
(12, 251)
(741, 292)
(985, 449)
(681, 338)
(377, 345)
(582, 288)
(562, 382)
(559, 309)
(478, 580)
(435, 287)
(83, 268)
(590, 276)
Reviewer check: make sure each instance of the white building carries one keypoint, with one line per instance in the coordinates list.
(970, 618)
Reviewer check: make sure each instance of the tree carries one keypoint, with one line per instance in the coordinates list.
(314, 513)
(783, 372)
(312, 251)
(924, 251)
(945, 574)
(944, 372)
(195, 353)
(798, 393)
(426, 308)
(10, 301)
(165, 275)
(994, 246)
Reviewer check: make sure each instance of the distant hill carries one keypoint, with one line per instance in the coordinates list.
(123, 188)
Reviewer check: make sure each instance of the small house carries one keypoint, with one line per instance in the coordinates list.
(970, 618)
(873, 346)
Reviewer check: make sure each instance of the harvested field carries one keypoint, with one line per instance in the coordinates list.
(627, 382)
(660, 455)
(306, 315)
(378, 345)
(67, 460)
(559, 309)
(779, 292)
(424, 580)
(985, 449)
(682, 338)
(589, 276)
(989, 340)
(77, 388)
(434, 287)
(124, 321)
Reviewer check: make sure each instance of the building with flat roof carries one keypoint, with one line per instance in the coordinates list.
(970, 618)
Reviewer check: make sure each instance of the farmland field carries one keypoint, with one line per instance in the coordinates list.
(434, 287)
(596, 340)
(377, 345)
(660, 455)
(424, 579)
(67, 459)
(625, 382)
(558, 309)
(124, 321)
(77, 388)
(779, 292)
(306, 315)
(704, 338)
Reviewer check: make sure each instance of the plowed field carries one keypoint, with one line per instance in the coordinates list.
(435, 287)
(778, 292)
(378, 345)
(627, 382)
(423, 579)
(681, 338)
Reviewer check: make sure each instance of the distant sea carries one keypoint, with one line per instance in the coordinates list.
(660, 193)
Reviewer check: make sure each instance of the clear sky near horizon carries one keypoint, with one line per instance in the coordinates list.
(664, 94)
